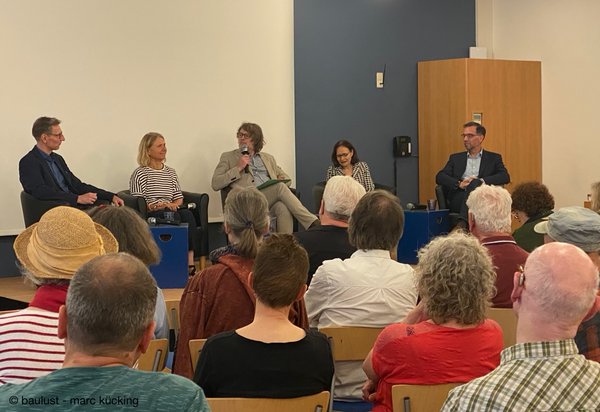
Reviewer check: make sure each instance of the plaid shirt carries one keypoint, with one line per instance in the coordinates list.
(538, 376)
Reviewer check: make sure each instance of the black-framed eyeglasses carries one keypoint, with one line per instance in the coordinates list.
(469, 135)
(243, 135)
(56, 134)
(342, 155)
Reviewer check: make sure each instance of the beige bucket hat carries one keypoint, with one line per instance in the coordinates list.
(62, 241)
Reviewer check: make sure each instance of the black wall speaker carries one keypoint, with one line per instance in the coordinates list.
(402, 146)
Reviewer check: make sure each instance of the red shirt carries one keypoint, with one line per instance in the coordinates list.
(427, 353)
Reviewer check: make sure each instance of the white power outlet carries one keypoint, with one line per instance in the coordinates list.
(379, 80)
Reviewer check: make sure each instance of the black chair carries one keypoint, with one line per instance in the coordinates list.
(440, 194)
(33, 208)
(200, 214)
(318, 189)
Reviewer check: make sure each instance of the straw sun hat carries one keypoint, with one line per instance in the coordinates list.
(61, 242)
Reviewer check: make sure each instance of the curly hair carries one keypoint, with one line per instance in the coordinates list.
(532, 198)
(456, 279)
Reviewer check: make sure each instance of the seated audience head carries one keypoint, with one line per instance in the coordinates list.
(110, 308)
(377, 222)
(147, 146)
(130, 230)
(43, 125)
(340, 197)
(489, 211)
(65, 238)
(557, 287)
(574, 225)
(595, 206)
(531, 199)
(344, 153)
(251, 135)
(455, 279)
(279, 271)
(246, 219)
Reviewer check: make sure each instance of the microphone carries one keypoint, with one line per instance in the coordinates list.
(190, 205)
(161, 221)
(245, 151)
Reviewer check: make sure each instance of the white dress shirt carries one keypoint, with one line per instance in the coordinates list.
(368, 289)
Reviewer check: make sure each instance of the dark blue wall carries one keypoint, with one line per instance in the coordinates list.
(338, 47)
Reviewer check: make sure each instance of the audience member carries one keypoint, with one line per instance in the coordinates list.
(46, 176)
(531, 203)
(330, 239)
(134, 237)
(446, 338)
(580, 227)
(249, 166)
(543, 371)
(107, 324)
(221, 299)
(158, 184)
(346, 163)
(270, 357)
(489, 221)
(464, 172)
(49, 252)
(368, 289)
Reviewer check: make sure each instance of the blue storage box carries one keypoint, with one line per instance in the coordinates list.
(420, 226)
(172, 270)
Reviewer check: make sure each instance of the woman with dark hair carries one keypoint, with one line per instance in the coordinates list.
(531, 203)
(346, 163)
(158, 184)
(220, 298)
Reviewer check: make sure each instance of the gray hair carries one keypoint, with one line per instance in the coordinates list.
(246, 214)
(377, 221)
(110, 303)
(490, 207)
(456, 279)
(341, 195)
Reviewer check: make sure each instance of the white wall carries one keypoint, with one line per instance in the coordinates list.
(565, 37)
(113, 70)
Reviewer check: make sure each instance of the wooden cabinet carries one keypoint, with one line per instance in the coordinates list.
(508, 95)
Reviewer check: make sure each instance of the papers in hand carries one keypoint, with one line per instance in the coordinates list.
(271, 182)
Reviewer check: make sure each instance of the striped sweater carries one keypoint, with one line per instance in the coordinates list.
(155, 185)
(29, 345)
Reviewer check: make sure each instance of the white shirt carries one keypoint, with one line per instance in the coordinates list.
(368, 289)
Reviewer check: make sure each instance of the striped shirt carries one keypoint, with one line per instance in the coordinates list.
(29, 345)
(155, 185)
(535, 376)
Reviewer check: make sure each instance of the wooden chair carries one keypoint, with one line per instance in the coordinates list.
(173, 319)
(507, 320)
(195, 346)
(155, 357)
(351, 343)
(420, 398)
(311, 403)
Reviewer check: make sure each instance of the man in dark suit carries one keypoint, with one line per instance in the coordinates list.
(464, 172)
(46, 176)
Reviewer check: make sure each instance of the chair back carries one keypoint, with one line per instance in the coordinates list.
(195, 346)
(350, 343)
(173, 319)
(441, 197)
(507, 320)
(317, 192)
(420, 398)
(33, 208)
(155, 357)
(312, 403)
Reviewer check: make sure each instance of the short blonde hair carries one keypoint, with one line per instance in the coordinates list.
(456, 279)
(147, 141)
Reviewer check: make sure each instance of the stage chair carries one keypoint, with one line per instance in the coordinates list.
(507, 320)
(200, 214)
(440, 195)
(195, 346)
(420, 398)
(155, 358)
(173, 319)
(349, 343)
(312, 403)
(33, 208)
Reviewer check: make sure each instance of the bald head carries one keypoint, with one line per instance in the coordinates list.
(561, 282)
